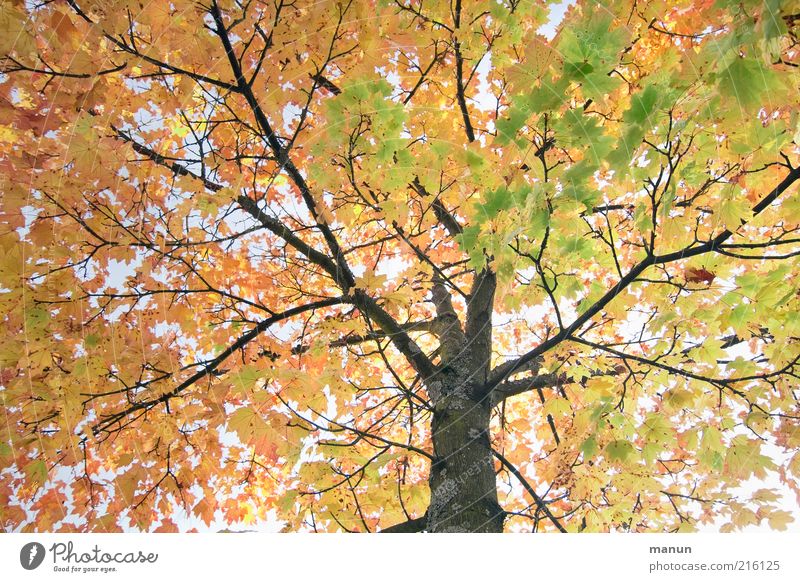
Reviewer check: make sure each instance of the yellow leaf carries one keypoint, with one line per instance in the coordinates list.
(370, 281)
(780, 520)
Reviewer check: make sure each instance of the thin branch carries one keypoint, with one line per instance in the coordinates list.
(536, 499)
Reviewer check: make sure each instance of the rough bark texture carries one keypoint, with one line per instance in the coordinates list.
(462, 477)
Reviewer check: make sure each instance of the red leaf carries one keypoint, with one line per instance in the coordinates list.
(699, 275)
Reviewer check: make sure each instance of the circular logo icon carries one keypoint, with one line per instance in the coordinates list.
(31, 555)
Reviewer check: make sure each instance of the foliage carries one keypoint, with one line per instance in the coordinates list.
(243, 240)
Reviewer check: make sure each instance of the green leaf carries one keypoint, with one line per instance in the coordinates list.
(626, 148)
(643, 104)
(247, 376)
(745, 81)
(734, 213)
(712, 440)
(589, 448)
(507, 127)
(548, 96)
(575, 128)
(246, 423)
(468, 237)
(598, 84)
(643, 219)
(657, 429)
(619, 450)
(575, 182)
(650, 452)
(474, 161)
(577, 245)
(468, 241)
(36, 471)
(495, 201)
(286, 501)
(744, 459)
(772, 24)
(36, 317)
(740, 316)
(596, 39)
(606, 404)
(578, 71)
(557, 407)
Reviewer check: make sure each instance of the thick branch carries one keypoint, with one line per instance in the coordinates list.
(416, 525)
(442, 214)
(401, 340)
(479, 322)
(460, 86)
(355, 339)
(727, 382)
(505, 370)
(213, 365)
(342, 273)
(247, 204)
(511, 388)
(448, 325)
(161, 160)
(278, 228)
(441, 300)
(172, 69)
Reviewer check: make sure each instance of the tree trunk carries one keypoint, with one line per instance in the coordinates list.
(462, 478)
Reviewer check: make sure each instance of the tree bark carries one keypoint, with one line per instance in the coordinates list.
(462, 477)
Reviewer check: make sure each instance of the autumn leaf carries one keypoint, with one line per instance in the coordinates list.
(698, 275)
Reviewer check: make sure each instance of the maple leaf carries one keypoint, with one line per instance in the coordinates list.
(698, 275)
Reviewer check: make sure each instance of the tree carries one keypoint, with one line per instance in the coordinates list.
(399, 265)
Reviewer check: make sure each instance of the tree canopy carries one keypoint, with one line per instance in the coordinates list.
(407, 265)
